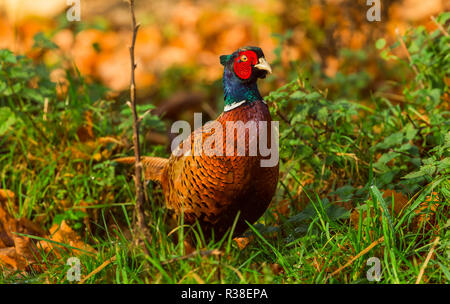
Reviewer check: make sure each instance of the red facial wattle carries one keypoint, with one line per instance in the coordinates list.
(243, 64)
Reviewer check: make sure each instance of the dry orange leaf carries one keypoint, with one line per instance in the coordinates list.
(400, 200)
(427, 213)
(16, 252)
(21, 253)
(242, 242)
(6, 195)
(64, 234)
(282, 208)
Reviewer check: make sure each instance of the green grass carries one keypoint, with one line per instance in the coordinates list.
(310, 257)
(334, 153)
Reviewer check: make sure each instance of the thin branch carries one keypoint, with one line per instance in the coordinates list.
(440, 27)
(402, 43)
(428, 258)
(143, 231)
(366, 250)
(201, 253)
(98, 269)
(143, 115)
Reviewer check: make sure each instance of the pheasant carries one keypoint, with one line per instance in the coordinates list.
(214, 189)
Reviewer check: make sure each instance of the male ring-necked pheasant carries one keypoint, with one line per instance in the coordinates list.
(212, 189)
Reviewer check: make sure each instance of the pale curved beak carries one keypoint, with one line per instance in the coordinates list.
(263, 65)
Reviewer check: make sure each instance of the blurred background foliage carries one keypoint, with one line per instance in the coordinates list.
(180, 41)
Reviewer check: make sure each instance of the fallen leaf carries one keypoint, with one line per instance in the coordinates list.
(64, 234)
(242, 242)
(21, 253)
(6, 195)
(86, 132)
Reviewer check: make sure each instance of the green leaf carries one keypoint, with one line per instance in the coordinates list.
(410, 132)
(335, 212)
(313, 96)
(385, 158)
(322, 114)
(14, 89)
(380, 43)
(428, 161)
(386, 177)
(298, 95)
(8, 56)
(444, 164)
(391, 140)
(7, 119)
(3, 86)
(428, 169)
(345, 192)
(32, 94)
(442, 18)
(41, 41)
(414, 175)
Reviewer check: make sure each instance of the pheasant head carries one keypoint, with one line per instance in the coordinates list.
(241, 71)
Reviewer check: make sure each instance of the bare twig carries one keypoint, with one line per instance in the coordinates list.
(428, 258)
(402, 43)
(98, 269)
(45, 109)
(367, 249)
(440, 27)
(201, 253)
(392, 96)
(143, 231)
(143, 115)
(423, 118)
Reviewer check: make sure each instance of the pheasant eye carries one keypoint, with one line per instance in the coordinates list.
(244, 58)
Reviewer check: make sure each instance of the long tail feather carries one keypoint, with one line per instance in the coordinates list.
(153, 166)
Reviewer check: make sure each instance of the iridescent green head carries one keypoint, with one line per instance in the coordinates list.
(242, 69)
